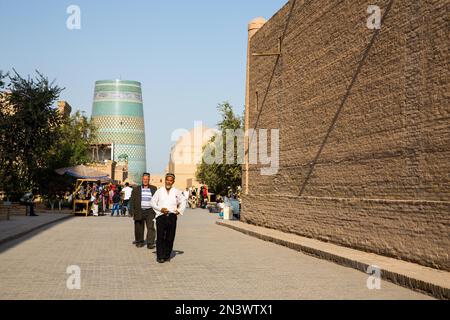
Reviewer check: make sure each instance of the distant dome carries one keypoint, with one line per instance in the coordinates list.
(256, 23)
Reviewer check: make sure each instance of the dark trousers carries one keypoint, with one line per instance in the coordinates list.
(125, 208)
(139, 227)
(30, 211)
(166, 226)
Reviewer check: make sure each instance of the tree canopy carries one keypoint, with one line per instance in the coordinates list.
(35, 139)
(223, 177)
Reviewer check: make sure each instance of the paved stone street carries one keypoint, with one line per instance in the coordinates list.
(213, 262)
(19, 225)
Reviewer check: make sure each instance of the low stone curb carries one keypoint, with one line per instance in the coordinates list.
(438, 289)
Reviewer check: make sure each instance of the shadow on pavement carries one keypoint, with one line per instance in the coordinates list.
(26, 235)
(174, 253)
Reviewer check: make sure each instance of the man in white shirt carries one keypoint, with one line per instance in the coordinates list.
(186, 196)
(168, 203)
(126, 198)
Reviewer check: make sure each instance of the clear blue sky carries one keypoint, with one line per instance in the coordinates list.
(188, 55)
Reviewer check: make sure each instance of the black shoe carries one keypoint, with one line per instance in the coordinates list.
(151, 246)
(161, 260)
(139, 245)
(134, 242)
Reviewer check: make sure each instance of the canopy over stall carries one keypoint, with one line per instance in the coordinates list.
(85, 176)
(83, 172)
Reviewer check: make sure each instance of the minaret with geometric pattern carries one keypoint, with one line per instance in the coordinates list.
(118, 114)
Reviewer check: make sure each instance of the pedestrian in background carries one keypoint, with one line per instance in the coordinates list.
(111, 195)
(126, 199)
(186, 196)
(94, 200)
(116, 203)
(105, 199)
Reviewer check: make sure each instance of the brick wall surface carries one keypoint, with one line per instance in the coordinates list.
(380, 136)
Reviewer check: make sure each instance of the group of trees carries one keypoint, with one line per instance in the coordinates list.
(35, 139)
(224, 177)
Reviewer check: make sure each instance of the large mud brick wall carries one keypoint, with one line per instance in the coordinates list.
(364, 127)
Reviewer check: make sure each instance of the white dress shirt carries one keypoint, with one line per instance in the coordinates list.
(127, 193)
(172, 201)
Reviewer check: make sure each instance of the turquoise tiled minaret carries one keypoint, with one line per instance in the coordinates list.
(118, 114)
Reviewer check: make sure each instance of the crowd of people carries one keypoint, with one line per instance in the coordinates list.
(105, 199)
(197, 197)
(114, 199)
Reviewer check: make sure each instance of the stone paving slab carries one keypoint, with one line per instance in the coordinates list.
(410, 275)
(211, 263)
(19, 225)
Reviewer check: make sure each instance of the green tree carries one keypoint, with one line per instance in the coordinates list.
(221, 177)
(76, 134)
(28, 127)
(35, 139)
